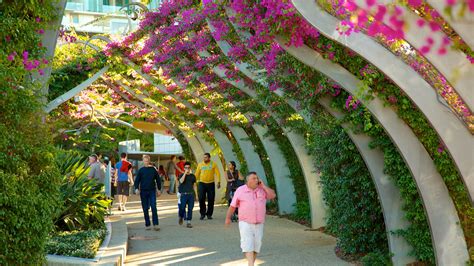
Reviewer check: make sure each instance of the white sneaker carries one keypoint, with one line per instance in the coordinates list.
(148, 227)
(156, 228)
(123, 208)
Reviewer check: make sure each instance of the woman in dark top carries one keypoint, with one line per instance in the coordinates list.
(234, 180)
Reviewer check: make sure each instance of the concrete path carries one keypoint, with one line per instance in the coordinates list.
(210, 243)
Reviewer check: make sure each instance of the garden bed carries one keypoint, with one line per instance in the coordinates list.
(83, 244)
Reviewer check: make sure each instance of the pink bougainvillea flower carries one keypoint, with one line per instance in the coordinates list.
(11, 56)
(425, 50)
(41, 31)
(470, 5)
(350, 5)
(451, 2)
(38, 20)
(415, 3)
(370, 2)
(434, 26)
(381, 11)
(8, 38)
(420, 22)
(25, 55)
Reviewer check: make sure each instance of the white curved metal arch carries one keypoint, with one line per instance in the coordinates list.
(454, 65)
(457, 139)
(448, 238)
(462, 25)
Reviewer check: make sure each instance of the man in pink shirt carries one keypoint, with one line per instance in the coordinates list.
(251, 200)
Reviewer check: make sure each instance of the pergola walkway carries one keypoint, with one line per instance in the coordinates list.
(210, 243)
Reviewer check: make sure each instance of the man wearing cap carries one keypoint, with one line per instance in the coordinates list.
(251, 200)
(97, 170)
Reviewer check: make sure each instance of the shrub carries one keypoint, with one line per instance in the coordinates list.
(375, 259)
(83, 244)
(84, 203)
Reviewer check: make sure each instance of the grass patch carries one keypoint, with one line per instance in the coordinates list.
(83, 244)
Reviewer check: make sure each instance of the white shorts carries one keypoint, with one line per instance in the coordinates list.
(250, 236)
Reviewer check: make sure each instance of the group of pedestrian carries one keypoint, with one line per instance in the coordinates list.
(246, 197)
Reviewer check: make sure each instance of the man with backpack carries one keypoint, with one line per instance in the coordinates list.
(123, 177)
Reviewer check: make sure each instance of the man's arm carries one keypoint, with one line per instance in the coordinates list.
(116, 175)
(233, 205)
(195, 189)
(217, 175)
(230, 211)
(183, 177)
(198, 173)
(270, 192)
(137, 179)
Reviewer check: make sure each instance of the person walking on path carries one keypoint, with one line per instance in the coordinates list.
(233, 175)
(171, 170)
(234, 181)
(207, 175)
(123, 178)
(148, 183)
(188, 191)
(97, 169)
(180, 165)
(251, 200)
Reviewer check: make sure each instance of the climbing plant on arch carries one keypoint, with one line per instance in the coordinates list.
(178, 31)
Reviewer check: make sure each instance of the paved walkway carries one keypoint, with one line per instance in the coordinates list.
(210, 243)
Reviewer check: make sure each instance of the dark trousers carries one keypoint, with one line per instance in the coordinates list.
(186, 200)
(206, 190)
(148, 198)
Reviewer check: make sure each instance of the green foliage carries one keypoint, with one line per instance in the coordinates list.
(260, 150)
(188, 154)
(83, 244)
(28, 177)
(240, 155)
(354, 212)
(73, 64)
(84, 203)
(97, 139)
(302, 212)
(385, 89)
(376, 259)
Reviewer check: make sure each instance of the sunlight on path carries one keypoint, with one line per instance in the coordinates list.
(210, 243)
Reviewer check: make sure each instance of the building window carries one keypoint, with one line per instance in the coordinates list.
(116, 2)
(75, 19)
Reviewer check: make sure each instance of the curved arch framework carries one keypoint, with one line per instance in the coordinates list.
(388, 192)
(459, 142)
(447, 235)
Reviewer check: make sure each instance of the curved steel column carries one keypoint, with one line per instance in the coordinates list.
(458, 140)
(448, 238)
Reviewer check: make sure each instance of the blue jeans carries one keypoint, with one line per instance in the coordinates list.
(186, 199)
(148, 198)
(172, 183)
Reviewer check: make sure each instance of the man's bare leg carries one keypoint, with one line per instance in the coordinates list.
(254, 256)
(250, 258)
(119, 197)
(124, 200)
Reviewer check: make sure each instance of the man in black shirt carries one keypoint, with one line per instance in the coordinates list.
(187, 189)
(149, 182)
